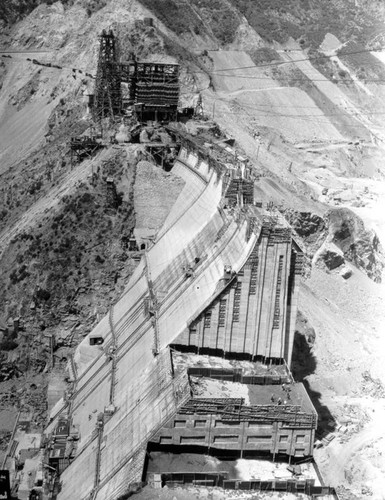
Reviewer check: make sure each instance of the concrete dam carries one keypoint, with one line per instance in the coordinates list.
(214, 296)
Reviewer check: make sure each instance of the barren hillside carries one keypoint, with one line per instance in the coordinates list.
(299, 85)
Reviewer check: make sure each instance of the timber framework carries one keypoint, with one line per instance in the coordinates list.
(151, 88)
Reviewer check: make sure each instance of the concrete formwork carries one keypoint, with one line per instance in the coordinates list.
(248, 436)
(254, 315)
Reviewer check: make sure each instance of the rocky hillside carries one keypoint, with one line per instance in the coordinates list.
(299, 84)
(12, 11)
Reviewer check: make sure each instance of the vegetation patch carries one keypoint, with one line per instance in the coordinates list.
(264, 55)
(221, 18)
(12, 11)
(200, 17)
(37, 174)
(290, 75)
(51, 271)
(328, 68)
(310, 20)
(364, 65)
(178, 17)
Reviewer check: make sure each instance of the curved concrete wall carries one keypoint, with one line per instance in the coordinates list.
(143, 393)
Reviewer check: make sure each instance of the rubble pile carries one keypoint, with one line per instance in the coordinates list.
(372, 386)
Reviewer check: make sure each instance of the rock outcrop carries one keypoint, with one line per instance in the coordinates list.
(346, 272)
(359, 245)
(303, 327)
(337, 237)
(329, 255)
(307, 224)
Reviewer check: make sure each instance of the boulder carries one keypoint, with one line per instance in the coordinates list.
(329, 255)
(346, 272)
(359, 245)
(165, 138)
(303, 327)
(307, 223)
(309, 226)
(143, 137)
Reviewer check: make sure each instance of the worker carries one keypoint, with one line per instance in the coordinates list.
(279, 402)
(272, 399)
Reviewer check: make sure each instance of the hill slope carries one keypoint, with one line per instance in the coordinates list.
(306, 107)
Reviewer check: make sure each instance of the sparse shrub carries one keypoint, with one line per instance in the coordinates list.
(92, 6)
(36, 186)
(8, 345)
(13, 276)
(263, 55)
(42, 294)
(3, 213)
(178, 18)
(19, 274)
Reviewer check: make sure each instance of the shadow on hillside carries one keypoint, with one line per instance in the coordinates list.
(303, 365)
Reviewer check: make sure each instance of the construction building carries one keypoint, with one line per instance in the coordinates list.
(156, 91)
(83, 147)
(218, 285)
(152, 88)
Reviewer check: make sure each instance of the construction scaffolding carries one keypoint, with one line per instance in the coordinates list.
(240, 191)
(83, 147)
(230, 424)
(235, 409)
(221, 479)
(157, 84)
(156, 90)
(152, 87)
(108, 93)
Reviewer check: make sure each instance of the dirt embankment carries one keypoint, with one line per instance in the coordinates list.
(155, 193)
